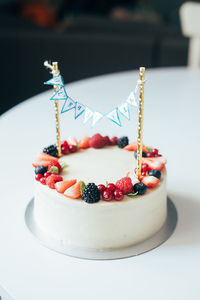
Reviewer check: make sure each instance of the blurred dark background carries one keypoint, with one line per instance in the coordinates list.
(87, 37)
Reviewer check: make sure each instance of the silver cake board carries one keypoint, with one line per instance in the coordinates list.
(153, 242)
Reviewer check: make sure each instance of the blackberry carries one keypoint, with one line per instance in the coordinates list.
(143, 154)
(140, 188)
(51, 150)
(122, 142)
(40, 170)
(91, 193)
(155, 173)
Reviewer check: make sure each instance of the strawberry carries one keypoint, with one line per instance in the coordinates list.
(133, 177)
(74, 192)
(133, 147)
(38, 163)
(46, 157)
(72, 141)
(84, 143)
(150, 181)
(52, 179)
(54, 163)
(96, 141)
(62, 186)
(155, 163)
(125, 185)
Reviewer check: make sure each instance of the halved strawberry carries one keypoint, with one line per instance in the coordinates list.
(46, 157)
(38, 162)
(74, 192)
(154, 163)
(72, 141)
(150, 181)
(84, 143)
(62, 186)
(133, 177)
(133, 147)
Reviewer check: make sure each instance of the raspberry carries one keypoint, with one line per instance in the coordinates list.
(107, 141)
(96, 141)
(51, 180)
(125, 185)
(54, 163)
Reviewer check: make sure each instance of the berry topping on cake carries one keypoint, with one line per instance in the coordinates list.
(47, 174)
(150, 181)
(155, 173)
(74, 192)
(114, 140)
(43, 159)
(54, 167)
(62, 186)
(125, 185)
(72, 148)
(101, 188)
(133, 177)
(40, 170)
(65, 147)
(52, 179)
(122, 142)
(96, 141)
(91, 193)
(38, 176)
(107, 141)
(107, 195)
(84, 143)
(51, 150)
(139, 188)
(155, 163)
(118, 195)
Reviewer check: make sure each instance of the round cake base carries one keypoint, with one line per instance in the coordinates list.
(156, 240)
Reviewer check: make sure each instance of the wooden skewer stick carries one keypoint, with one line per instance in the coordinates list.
(140, 120)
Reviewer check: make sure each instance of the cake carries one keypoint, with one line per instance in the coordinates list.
(90, 197)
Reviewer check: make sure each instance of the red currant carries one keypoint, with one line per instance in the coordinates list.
(154, 152)
(72, 148)
(114, 140)
(101, 188)
(111, 187)
(118, 195)
(65, 149)
(43, 180)
(38, 176)
(47, 174)
(148, 154)
(144, 173)
(145, 168)
(107, 195)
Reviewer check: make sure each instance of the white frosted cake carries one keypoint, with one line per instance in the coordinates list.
(117, 210)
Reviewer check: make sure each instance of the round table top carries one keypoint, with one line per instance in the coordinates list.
(171, 123)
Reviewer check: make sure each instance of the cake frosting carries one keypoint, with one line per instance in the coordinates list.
(101, 225)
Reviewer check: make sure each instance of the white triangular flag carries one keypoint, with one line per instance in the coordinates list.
(96, 117)
(124, 110)
(57, 80)
(60, 94)
(79, 109)
(68, 105)
(88, 114)
(132, 100)
(114, 117)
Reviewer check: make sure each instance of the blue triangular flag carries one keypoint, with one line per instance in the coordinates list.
(88, 114)
(114, 116)
(68, 105)
(60, 95)
(124, 110)
(132, 100)
(79, 109)
(57, 80)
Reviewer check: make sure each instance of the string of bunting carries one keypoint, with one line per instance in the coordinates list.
(89, 114)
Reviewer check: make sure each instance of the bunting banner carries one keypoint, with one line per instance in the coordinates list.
(60, 94)
(87, 112)
(57, 80)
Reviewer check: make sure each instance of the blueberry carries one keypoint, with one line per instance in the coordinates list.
(40, 170)
(143, 154)
(140, 188)
(155, 173)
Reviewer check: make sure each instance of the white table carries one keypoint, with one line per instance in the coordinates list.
(31, 271)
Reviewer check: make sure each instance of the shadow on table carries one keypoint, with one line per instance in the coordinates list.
(188, 227)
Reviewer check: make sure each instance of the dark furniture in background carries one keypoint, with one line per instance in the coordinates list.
(88, 46)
